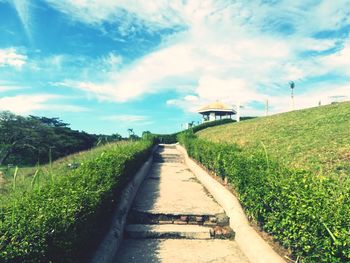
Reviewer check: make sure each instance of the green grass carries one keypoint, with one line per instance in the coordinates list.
(56, 214)
(56, 168)
(316, 139)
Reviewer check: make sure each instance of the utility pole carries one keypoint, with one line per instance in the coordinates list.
(238, 114)
(292, 86)
(267, 107)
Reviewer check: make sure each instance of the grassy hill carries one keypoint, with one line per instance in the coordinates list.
(299, 191)
(316, 139)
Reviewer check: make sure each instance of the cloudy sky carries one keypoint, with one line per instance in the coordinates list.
(108, 65)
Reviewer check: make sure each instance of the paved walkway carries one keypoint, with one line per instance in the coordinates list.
(174, 219)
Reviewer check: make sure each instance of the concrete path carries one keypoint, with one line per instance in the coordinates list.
(174, 219)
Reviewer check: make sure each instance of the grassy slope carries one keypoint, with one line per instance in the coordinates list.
(58, 167)
(317, 139)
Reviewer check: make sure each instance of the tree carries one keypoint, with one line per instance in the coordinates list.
(146, 135)
(16, 133)
(115, 137)
(28, 140)
(52, 122)
(131, 132)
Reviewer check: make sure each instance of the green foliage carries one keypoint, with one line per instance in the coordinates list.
(211, 124)
(173, 138)
(316, 139)
(28, 140)
(166, 138)
(105, 139)
(62, 218)
(306, 213)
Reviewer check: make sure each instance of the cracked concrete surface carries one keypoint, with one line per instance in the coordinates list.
(180, 250)
(171, 188)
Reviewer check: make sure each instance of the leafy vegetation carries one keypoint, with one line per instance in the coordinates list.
(172, 138)
(291, 174)
(316, 139)
(59, 214)
(31, 140)
(208, 124)
(307, 214)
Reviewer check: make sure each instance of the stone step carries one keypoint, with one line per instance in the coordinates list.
(167, 146)
(168, 231)
(140, 217)
(139, 231)
(167, 158)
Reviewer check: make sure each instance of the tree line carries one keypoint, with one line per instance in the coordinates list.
(32, 139)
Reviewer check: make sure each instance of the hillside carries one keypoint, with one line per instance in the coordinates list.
(317, 139)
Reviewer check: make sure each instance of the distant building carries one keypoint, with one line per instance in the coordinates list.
(216, 111)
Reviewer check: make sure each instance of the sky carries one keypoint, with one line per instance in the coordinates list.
(105, 66)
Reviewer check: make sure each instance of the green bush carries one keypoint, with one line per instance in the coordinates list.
(173, 138)
(307, 214)
(62, 220)
(211, 124)
(166, 138)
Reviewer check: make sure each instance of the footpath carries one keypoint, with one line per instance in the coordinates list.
(174, 219)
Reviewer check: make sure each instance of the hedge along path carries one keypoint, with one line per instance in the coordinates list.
(174, 219)
(307, 214)
(62, 220)
(250, 242)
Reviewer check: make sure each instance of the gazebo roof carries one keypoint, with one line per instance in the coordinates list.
(217, 107)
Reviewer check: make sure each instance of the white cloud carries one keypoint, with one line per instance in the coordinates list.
(125, 118)
(339, 61)
(317, 44)
(130, 15)
(23, 104)
(11, 57)
(231, 50)
(23, 9)
(112, 61)
(4, 88)
(26, 104)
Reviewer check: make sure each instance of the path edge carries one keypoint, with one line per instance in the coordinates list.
(256, 249)
(107, 250)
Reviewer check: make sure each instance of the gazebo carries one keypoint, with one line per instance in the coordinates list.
(216, 111)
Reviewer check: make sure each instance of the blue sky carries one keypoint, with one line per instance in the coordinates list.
(108, 65)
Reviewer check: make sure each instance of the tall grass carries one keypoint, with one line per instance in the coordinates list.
(62, 219)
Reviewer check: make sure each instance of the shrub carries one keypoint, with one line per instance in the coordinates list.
(173, 138)
(62, 220)
(165, 138)
(211, 124)
(306, 213)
